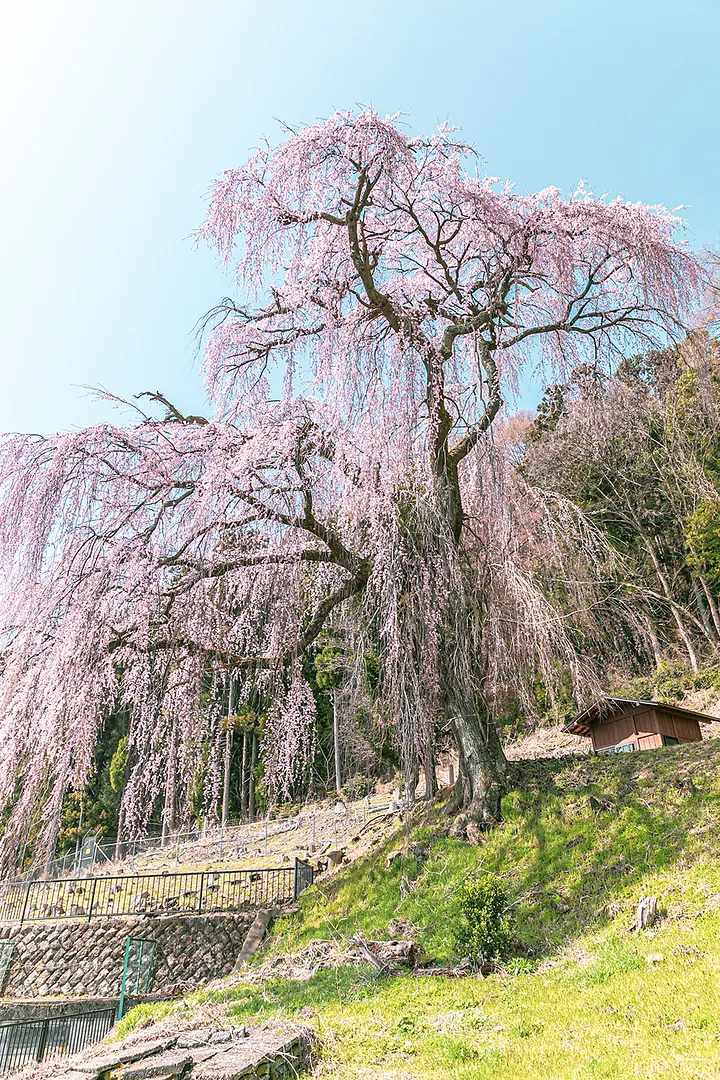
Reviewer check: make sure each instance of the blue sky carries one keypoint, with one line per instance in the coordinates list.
(115, 117)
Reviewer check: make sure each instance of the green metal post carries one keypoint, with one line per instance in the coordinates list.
(121, 1003)
(200, 900)
(40, 1054)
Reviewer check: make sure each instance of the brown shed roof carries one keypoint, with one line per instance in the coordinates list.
(604, 705)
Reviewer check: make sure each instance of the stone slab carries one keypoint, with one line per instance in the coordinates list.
(274, 1052)
(167, 1066)
(111, 1059)
(262, 1052)
(255, 936)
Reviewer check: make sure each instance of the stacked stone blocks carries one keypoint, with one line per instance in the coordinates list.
(80, 958)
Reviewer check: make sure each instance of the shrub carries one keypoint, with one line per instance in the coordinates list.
(484, 932)
(359, 787)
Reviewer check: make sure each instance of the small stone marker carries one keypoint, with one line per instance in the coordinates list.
(256, 933)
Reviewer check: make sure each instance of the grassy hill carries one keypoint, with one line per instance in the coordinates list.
(584, 995)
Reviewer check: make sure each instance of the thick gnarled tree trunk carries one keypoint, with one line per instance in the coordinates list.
(482, 771)
(480, 785)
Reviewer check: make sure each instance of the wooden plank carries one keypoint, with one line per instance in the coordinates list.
(612, 732)
(647, 722)
(687, 728)
(684, 728)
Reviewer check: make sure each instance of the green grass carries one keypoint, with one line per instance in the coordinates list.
(563, 1024)
(586, 997)
(140, 1015)
(554, 851)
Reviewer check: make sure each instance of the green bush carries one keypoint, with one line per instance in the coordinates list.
(702, 538)
(359, 787)
(485, 931)
(118, 765)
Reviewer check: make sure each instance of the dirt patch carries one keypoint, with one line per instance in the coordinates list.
(316, 956)
(550, 742)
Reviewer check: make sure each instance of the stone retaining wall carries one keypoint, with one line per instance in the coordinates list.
(78, 959)
(19, 1009)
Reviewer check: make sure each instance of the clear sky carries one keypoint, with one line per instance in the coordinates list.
(114, 117)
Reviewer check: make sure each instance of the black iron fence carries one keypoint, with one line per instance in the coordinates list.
(196, 893)
(28, 1041)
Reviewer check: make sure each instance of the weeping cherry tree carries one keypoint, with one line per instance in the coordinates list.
(387, 299)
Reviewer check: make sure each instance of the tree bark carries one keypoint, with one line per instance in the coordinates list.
(168, 814)
(431, 785)
(228, 755)
(253, 763)
(708, 628)
(118, 836)
(712, 604)
(482, 764)
(482, 768)
(56, 813)
(682, 630)
(412, 778)
(654, 641)
(244, 777)
(336, 742)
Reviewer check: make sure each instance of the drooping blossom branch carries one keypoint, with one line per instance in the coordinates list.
(389, 296)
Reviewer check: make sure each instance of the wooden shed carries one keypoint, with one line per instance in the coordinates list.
(618, 724)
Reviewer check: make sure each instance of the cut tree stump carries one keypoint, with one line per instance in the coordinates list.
(646, 912)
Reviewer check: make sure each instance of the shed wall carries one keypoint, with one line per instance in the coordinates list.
(612, 732)
(684, 728)
(645, 727)
(649, 742)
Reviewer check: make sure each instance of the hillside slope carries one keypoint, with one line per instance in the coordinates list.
(585, 996)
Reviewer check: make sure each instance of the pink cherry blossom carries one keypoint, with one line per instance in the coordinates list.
(388, 297)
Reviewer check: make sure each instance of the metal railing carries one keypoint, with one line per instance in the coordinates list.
(28, 1041)
(195, 893)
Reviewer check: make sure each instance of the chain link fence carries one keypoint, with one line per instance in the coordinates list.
(323, 824)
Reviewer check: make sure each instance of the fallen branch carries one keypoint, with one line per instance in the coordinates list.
(365, 952)
(465, 967)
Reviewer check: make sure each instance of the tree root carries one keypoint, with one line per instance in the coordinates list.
(455, 803)
(472, 823)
